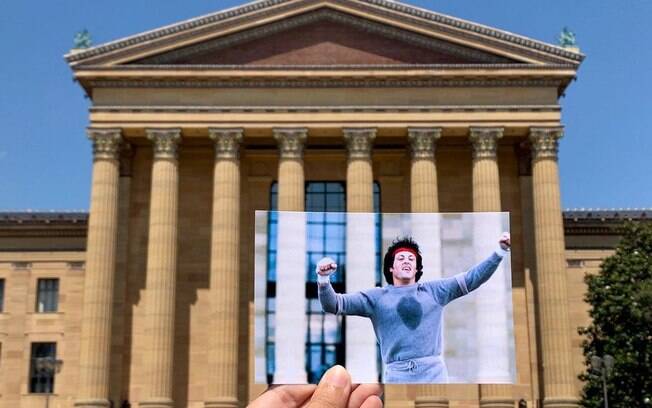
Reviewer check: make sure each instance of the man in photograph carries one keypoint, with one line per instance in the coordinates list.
(407, 314)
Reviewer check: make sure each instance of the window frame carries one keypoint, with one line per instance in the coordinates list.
(327, 189)
(48, 295)
(38, 380)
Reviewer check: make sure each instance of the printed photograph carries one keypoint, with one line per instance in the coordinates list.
(394, 298)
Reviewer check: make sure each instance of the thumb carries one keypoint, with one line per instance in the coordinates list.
(333, 390)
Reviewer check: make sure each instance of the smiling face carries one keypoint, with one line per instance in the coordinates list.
(404, 268)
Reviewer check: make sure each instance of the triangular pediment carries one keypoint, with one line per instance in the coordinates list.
(324, 32)
(324, 37)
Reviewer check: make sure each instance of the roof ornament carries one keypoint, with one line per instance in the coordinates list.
(82, 40)
(567, 39)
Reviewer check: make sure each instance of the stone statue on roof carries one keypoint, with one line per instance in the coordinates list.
(567, 38)
(82, 40)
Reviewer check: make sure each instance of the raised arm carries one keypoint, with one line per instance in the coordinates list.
(357, 304)
(446, 290)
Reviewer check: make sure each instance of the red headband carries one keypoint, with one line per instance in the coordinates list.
(397, 250)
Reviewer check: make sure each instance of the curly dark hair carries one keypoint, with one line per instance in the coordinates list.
(405, 242)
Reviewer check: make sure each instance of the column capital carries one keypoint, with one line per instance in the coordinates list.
(290, 142)
(106, 142)
(545, 142)
(359, 142)
(485, 141)
(166, 142)
(423, 142)
(227, 142)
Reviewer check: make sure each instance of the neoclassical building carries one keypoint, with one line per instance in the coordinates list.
(366, 105)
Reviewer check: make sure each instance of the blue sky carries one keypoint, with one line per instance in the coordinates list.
(605, 156)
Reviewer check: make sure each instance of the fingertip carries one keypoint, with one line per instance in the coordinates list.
(372, 402)
(337, 376)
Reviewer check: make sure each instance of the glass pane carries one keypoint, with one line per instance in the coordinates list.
(315, 358)
(331, 329)
(315, 187)
(314, 243)
(335, 188)
(315, 217)
(336, 217)
(271, 329)
(270, 359)
(331, 356)
(334, 202)
(315, 328)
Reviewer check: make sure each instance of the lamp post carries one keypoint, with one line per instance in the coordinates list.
(48, 366)
(603, 366)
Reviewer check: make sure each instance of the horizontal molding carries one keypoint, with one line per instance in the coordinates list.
(325, 83)
(333, 109)
(333, 67)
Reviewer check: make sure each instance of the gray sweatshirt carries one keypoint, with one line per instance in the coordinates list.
(407, 319)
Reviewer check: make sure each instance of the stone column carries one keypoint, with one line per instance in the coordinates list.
(291, 320)
(423, 176)
(492, 318)
(558, 375)
(225, 256)
(361, 354)
(424, 198)
(94, 363)
(162, 269)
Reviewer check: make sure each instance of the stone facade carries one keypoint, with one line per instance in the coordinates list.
(193, 123)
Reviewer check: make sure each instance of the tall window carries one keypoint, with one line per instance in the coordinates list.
(326, 237)
(47, 295)
(41, 378)
(2, 295)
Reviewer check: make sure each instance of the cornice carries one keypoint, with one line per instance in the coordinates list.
(330, 109)
(390, 8)
(327, 83)
(352, 67)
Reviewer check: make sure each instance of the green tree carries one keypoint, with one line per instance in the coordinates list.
(620, 297)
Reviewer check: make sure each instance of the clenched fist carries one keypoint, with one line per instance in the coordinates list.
(326, 266)
(504, 241)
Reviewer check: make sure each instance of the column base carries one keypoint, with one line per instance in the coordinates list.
(221, 402)
(92, 403)
(496, 403)
(157, 403)
(560, 403)
(430, 403)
